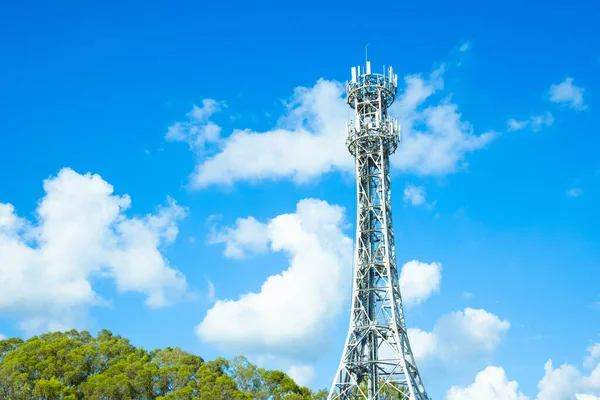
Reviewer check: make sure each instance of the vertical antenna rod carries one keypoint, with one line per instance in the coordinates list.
(377, 362)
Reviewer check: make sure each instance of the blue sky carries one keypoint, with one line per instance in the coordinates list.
(497, 104)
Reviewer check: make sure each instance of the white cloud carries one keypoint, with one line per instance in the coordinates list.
(562, 383)
(515, 125)
(209, 107)
(490, 384)
(536, 122)
(197, 131)
(248, 236)
(423, 344)
(308, 140)
(2, 337)
(586, 397)
(568, 94)
(464, 47)
(593, 356)
(419, 280)
(435, 139)
(459, 337)
(289, 314)
(303, 375)
(467, 295)
(415, 195)
(542, 120)
(566, 381)
(574, 192)
(81, 232)
(211, 293)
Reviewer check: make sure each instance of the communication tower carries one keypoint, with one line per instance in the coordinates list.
(377, 361)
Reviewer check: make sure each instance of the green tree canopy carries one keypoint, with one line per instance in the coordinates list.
(75, 365)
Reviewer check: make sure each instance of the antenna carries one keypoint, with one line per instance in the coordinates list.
(368, 64)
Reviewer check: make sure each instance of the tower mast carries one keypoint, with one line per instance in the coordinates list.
(377, 362)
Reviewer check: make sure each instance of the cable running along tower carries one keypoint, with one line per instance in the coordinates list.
(377, 361)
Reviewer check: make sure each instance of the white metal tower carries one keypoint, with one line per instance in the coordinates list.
(377, 361)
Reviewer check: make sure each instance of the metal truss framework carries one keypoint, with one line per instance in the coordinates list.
(377, 361)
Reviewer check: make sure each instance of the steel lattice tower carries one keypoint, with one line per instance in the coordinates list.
(377, 361)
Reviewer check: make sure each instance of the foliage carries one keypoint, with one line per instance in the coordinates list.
(262, 384)
(75, 365)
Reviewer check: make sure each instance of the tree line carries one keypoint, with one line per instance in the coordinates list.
(75, 365)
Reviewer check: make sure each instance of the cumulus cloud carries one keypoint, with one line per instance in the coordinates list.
(308, 139)
(559, 383)
(80, 232)
(568, 94)
(536, 122)
(593, 356)
(414, 195)
(562, 383)
(436, 140)
(307, 142)
(459, 337)
(419, 280)
(247, 237)
(567, 380)
(287, 316)
(423, 344)
(490, 384)
(303, 375)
